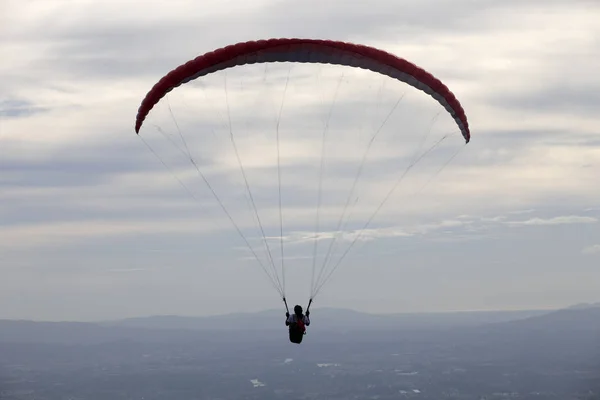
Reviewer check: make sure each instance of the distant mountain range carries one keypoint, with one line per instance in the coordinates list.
(585, 305)
(327, 322)
(576, 318)
(326, 319)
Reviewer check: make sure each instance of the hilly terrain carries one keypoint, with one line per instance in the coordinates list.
(549, 355)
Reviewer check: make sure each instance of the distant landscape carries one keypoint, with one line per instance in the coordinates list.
(534, 354)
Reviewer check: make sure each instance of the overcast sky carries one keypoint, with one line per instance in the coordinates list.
(93, 226)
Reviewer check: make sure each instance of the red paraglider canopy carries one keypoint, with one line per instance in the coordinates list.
(307, 51)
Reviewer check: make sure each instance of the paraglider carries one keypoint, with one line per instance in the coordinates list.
(306, 51)
(303, 51)
(297, 323)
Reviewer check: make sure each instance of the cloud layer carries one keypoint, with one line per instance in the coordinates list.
(510, 221)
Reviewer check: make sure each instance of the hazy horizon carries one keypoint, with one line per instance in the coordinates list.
(316, 311)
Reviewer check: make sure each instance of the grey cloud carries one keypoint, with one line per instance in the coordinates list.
(522, 211)
(83, 181)
(74, 168)
(567, 219)
(393, 18)
(19, 108)
(85, 50)
(558, 98)
(460, 229)
(593, 249)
